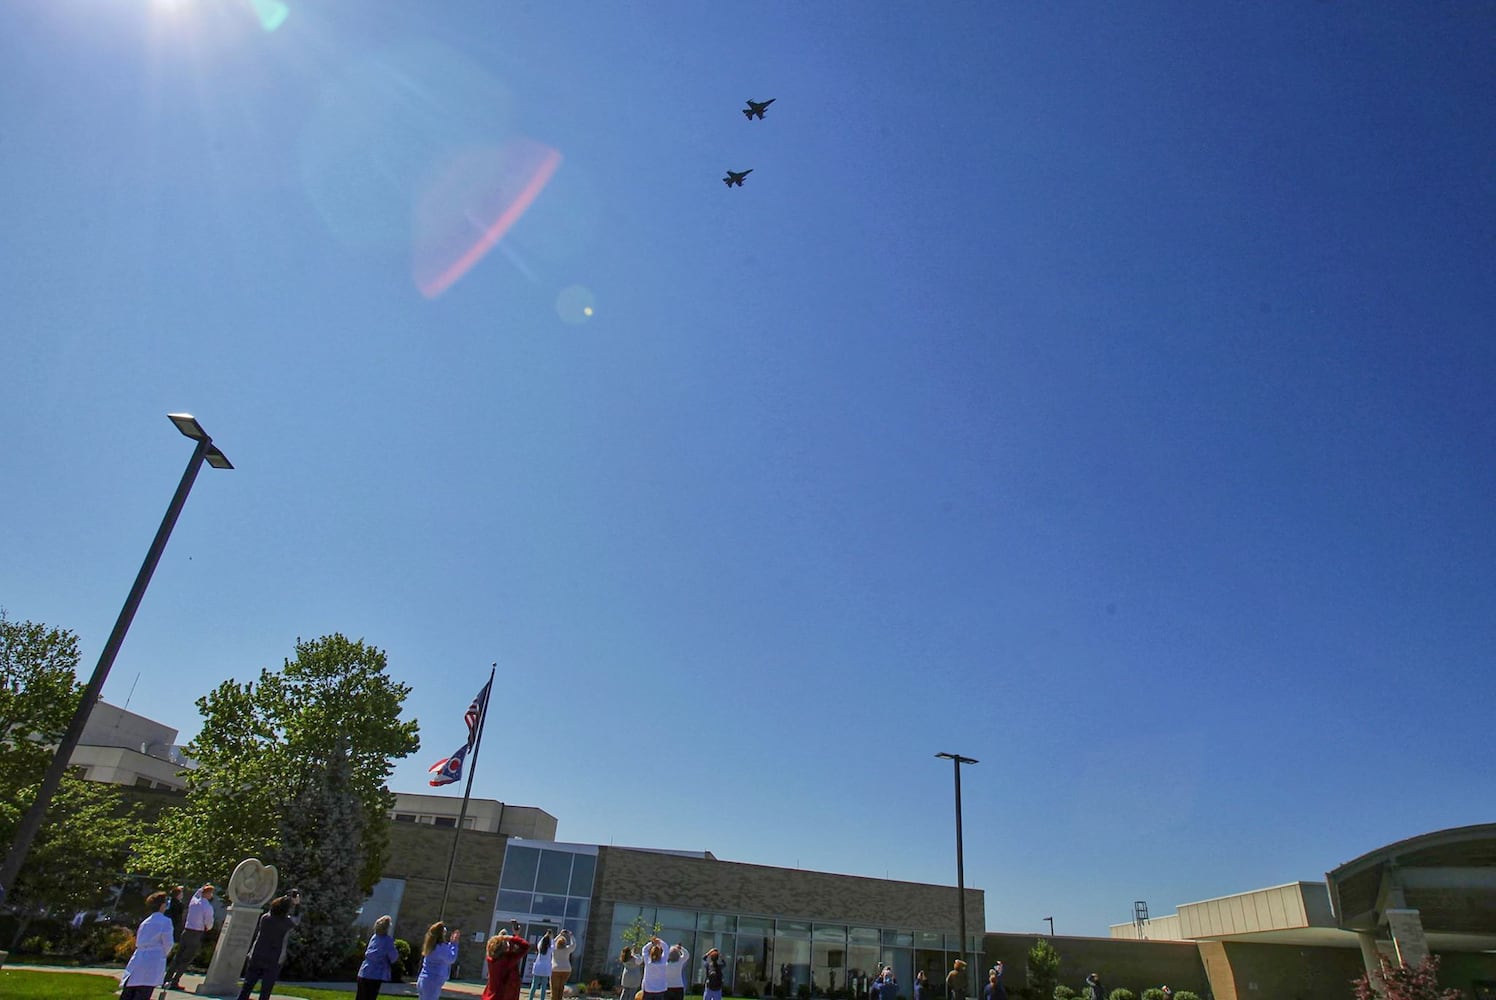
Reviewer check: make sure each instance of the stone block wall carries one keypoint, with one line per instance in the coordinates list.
(418, 854)
(1136, 965)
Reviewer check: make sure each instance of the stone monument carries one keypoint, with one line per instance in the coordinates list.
(250, 888)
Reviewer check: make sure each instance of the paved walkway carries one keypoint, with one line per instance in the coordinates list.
(190, 983)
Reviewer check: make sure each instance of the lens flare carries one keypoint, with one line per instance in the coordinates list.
(470, 204)
(272, 13)
(575, 304)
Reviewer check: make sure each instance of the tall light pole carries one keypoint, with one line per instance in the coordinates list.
(206, 451)
(1051, 925)
(957, 760)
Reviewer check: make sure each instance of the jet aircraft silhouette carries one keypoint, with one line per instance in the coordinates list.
(756, 110)
(736, 177)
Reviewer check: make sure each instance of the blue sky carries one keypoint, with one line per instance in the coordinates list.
(1102, 391)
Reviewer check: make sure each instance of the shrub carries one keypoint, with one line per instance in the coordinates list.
(400, 969)
(1063, 992)
(1186, 995)
(1153, 993)
(36, 944)
(204, 956)
(101, 942)
(124, 945)
(1122, 994)
(1403, 982)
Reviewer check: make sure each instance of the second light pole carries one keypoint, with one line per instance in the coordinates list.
(958, 760)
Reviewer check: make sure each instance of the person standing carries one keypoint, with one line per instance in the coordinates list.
(955, 981)
(175, 911)
(197, 923)
(921, 986)
(379, 956)
(153, 939)
(561, 949)
(712, 968)
(439, 952)
(995, 990)
(656, 978)
(1093, 987)
(631, 980)
(506, 956)
(264, 964)
(540, 972)
(675, 972)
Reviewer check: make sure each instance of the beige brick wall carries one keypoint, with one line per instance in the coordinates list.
(419, 853)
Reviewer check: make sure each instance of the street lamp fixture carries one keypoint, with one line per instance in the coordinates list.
(32, 821)
(957, 760)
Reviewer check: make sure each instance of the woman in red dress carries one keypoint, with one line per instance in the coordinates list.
(506, 955)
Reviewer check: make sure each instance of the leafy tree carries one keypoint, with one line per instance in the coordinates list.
(262, 743)
(636, 937)
(1043, 967)
(320, 850)
(1402, 982)
(84, 840)
(1122, 994)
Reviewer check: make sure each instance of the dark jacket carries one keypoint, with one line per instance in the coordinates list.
(270, 936)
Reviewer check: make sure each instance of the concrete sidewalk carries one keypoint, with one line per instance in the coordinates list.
(191, 982)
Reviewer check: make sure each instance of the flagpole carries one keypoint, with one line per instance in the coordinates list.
(467, 791)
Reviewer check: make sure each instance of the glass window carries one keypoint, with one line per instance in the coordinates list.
(385, 899)
(864, 935)
(796, 929)
(755, 924)
(555, 872)
(898, 939)
(582, 866)
(716, 922)
(517, 902)
(519, 868)
(828, 956)
(929, 939)
(676, 920)
(445, 821)
(577, 907)
(405, 817)
(550, 906)
(755, 957)
(792, 953)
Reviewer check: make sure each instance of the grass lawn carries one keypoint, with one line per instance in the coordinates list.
(309, 992)
(21, 984)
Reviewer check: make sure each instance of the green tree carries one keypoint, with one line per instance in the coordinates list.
(636, 937)
(321, 850)
(261, 744)
(1043, 967)
(84, 841)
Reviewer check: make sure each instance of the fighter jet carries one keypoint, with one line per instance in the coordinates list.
(736, 177)
(756, 110)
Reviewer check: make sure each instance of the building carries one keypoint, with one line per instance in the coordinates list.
(118, 747)
(774, 926)
(1434, 893)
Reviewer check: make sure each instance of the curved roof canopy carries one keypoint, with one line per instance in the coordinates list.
(1448, 876)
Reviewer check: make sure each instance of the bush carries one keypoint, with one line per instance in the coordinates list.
(1122, 994)
(36, 944)
(1153, 993)
(400, 969)
(100, 942)
(125, 945)
(1186, 995)
(1063, 992)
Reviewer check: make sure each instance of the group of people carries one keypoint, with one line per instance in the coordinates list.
(168, 923)
(657, 971)
(505, 955)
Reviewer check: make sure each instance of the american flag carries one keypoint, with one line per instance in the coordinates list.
(448, 769)
(474, 714)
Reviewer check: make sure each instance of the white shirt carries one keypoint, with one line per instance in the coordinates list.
(561, 950)
(199, 913)
(656, 975)
(676, 970)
